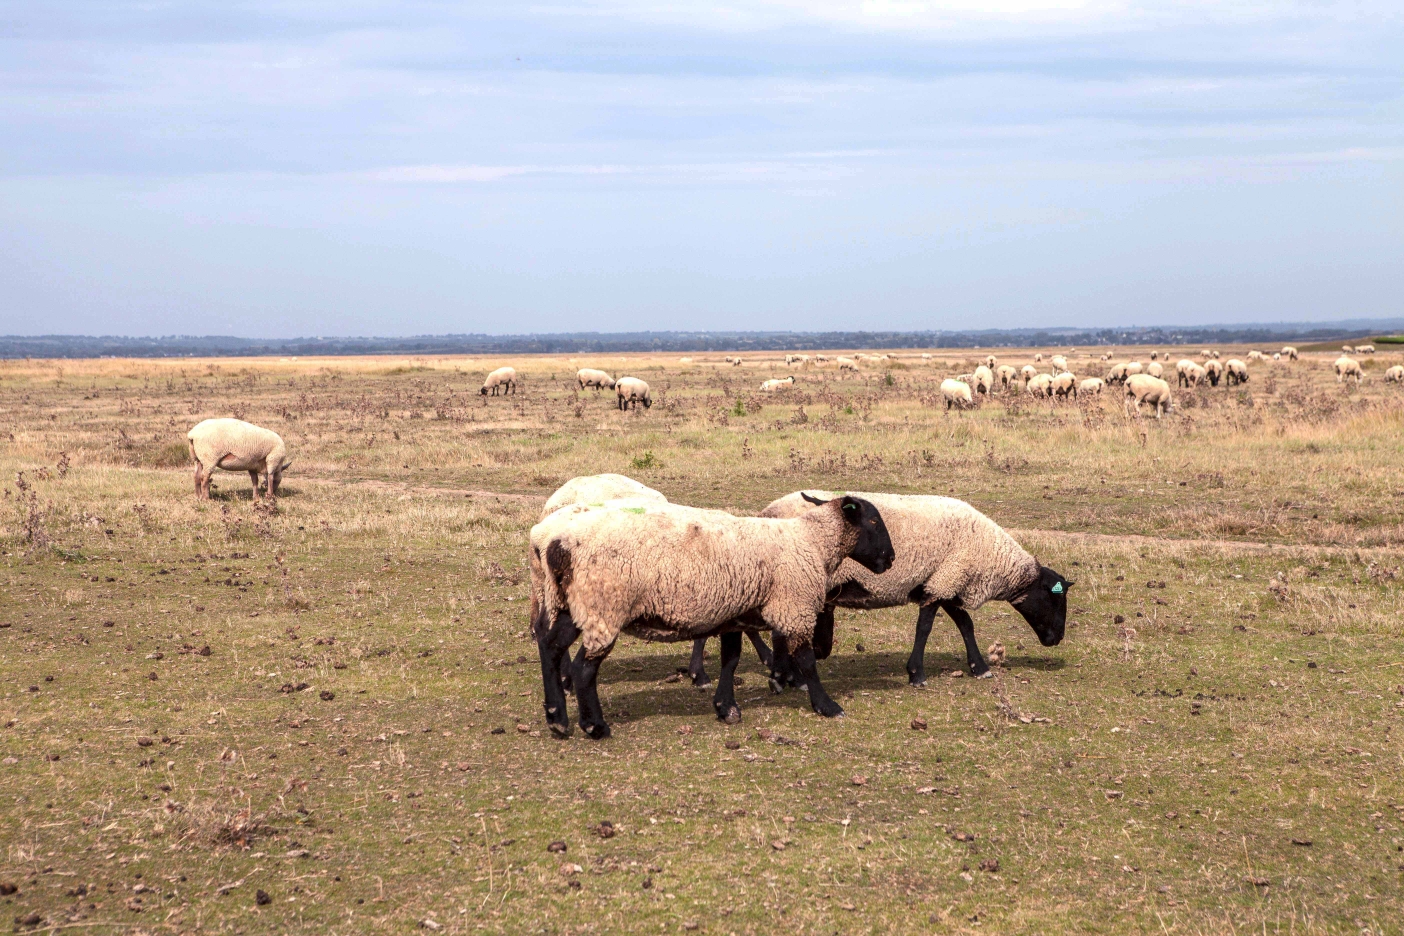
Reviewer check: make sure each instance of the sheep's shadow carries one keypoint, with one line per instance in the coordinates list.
(236, 494)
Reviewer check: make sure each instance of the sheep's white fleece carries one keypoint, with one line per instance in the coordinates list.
(235, 445)
(596, 489)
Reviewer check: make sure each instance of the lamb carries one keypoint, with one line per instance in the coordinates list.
(777, 383)
(1395, 374)
(956, 393)
(1214, 371)
(1092, 385)
(949, 557)
(846, 363)
(984, 380)
(1064, 385)
(632, 391)
(667, 572)
(504, 379)
(235, 445)
(1290, 353)
(1143, 388)
(1005, 376)
(1155, 369)
(1028, 372)
(1235, 372)
(1040, 385)
(1060, 364)
(1348, 367)
(589, 377)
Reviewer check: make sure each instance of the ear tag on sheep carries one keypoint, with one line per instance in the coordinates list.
(1057, 589)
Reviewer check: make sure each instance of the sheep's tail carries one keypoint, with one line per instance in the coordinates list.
(190, 443)
(552, 578)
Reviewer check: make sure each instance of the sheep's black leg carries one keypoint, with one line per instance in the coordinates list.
(808, 670)
(916, 664)
(696, 667)
(725, 699)
(783, 673)
(978, 666)
(824, 634)
(584, 671)
(766, 657)
(554, 647)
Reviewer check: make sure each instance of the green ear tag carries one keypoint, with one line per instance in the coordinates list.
(850, 506)
(1058, 589)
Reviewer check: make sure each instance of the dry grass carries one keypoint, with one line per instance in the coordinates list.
(300, 701)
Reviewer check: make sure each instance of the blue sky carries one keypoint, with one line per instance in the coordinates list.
(356, 167)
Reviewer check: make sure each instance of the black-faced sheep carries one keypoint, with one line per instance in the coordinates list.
(956, 393)
(631, 391)
(1290, 353)
(235, 445)
(950, 557)
(1395, 374)
(1214, 370)
(1143, 388)
(666, 572)
(504, 379)
(984, 380)
(1064, 385)
(1006, 376)
(1235, 372)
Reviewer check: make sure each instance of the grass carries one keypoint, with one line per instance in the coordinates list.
(336, 703)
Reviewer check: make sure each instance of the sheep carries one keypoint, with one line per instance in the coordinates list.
(1154, 356)
(733, 361)
(1276, 356)
(504, 379)
(1092, 385)
(1064, 385)
(667, 572)
(777, 383)
(800, 359)
(1289, 352)
(589, 377)
(926, 357)
(984, 380)
(991, 361)
(821, 358)
(1060, 364)
(1364, 349)
(949, 557)
(1347, 349)
(1214, 370)
(1005, 376)
(846, 363)
(235, 445)
(632, 391)
(1395, 374)
(956, 393)
(1195, 375)
(1348, 367)
(1118, 374)
(1143, 388)
(1235, 372)
(1256, 355)
(684, 360)
(1155, 369)
(1028, 372)
(1182, 366)
(1133, 367)
(1040, 386)
(1038, 358)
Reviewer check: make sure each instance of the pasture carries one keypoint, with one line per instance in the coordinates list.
(325, 716)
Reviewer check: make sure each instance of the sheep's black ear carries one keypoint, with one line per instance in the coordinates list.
(813, 500)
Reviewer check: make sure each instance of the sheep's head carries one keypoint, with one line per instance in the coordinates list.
(483, 390)
(1044, 604)
(873, 547)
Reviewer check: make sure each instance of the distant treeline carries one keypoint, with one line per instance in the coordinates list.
(82, 346)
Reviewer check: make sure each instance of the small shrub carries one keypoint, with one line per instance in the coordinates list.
(647, 459)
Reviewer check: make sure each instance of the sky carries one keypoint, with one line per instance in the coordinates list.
(285, 168)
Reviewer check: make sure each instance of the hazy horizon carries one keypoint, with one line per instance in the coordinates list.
(294, 169)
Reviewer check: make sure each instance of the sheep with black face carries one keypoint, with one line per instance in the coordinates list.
(949, 557)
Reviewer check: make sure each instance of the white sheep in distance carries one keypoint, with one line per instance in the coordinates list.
(1038, 358)
(1133, 367)
(1040, 386)
(684, 360)
(1092, 385)
(504, 379)
(991, 361)
(667, 572)
(235, 445)
(777, 383)
(1395, 374)
(1214, 370)
(1155, 369)
(1118, 373)
(1143, 388)
(1289, 352)
(1028, 372)
(1256, 355)
(950, 557)
(632, 391)
(1235, 372)
(1005, 376)
(1059, 363)
(1364, 349)
(846, 363)
(984, 380)
(956, 393)
(590, 377)
(1348, 367)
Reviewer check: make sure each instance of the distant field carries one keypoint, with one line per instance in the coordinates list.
(208, 702)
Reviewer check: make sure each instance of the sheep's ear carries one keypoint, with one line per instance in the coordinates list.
(1057, 588)
(813, 500)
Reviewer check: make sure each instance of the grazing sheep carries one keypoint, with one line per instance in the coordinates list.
(1133, 367)
(1348, 367)
(1060, 364)
(1006, 376)
(821, 358)
(632, 391)
(1064, 385)
(1155, 369)
(949, 557)
(1347, 349)
(1364, 349)
(1195, 375)
(1276, 356)
(956, 393)
(984, 380)
(926, 357)
(235, 445)
(589, 377)
(1290, 353)
(1118, 374)
(777, 383)
(1395, 374)
(1038, 358)
(684, 360)
(1028, 372)
(1092, 385)
(1214, 370)
(991, 361)
(847, 363)
(1154, 356)
(1143, 388)
(504, 379)
(1040, 386)
(667, 572)
(1235, 372)
(1256, 355)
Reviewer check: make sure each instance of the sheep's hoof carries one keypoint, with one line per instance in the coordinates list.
(732, 716)
(987, 674)
(701, 682)
(776, 686)
(915, 682)
(598, 732)
(560, 731)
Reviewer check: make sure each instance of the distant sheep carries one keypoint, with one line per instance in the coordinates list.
(1006, 376)
(1290, 353)
(956, 393)
(632, 391)
(235, 445)
(1060, 364)
(1040, 386)
(684, 360)
(1038, 358)
(984, 380)
(1395, 374)
(589, 377)
(1092, 385)
(1028, 372)
(1256, 355)
(1347, 349)
(777, 383)
(991, 361)
(1235, 372)
(1364, 349)
(1155, 369)
(1118, 374)
(1133, 367)
(847, 363)
(1348, 367)
(1143, 388)
(504, 379)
